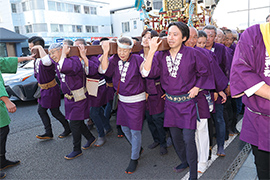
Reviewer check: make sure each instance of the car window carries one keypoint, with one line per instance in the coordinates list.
(29, 65)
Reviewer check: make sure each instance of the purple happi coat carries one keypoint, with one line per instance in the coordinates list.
(154, 104)
(178, 80)
(72, 77)
(49, 98)
(251, 64)
(132, 83)
(221, 82)
(224, 59)
(101, 98)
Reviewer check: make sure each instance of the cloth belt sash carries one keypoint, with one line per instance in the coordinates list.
(132, 99)
(109, 84)
(48, 85)
(261, 114)
(178, 98)
(101, 82)
(181, 99)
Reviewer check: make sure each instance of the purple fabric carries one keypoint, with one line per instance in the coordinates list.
(221, 81)
(249, 67)
(49, 98)
(72, 77)
(101, 98)
(110, 90)
(128, 114)
(193, 71)
(154, 104)
(224, 58)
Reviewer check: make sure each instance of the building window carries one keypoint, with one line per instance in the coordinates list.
(28, 28)
(61, 27)
(78, 28)
(125, 27)
(3, 50)
(42, 27)
(91, 29)
(86, 10)
(51, 6)
(32, 5)
(54, 28)
(17, 29)
(135, 24)
(77, 8)
(67, 28)
(13, 8)
(157, 4)
(25, 6)
(58, 5)
(70, 7)
(36, 4)
(93, 10)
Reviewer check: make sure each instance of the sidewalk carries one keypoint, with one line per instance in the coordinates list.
(248, 169)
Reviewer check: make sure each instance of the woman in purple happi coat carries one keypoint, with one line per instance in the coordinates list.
(50, 96)
(73, 80)
(182, 74)
(124, 68)
(250, 78)
(155, 102)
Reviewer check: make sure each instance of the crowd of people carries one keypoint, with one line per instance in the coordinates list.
(184, 93)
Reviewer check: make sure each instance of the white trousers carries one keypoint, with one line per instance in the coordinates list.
(202, 140)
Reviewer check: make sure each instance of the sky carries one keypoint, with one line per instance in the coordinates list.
(228, 13)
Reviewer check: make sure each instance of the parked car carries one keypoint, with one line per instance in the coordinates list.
(22, 85)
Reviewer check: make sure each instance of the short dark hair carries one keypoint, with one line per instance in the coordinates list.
(227, 31)
(104, 39)
(183, 28)
(210, 27)
(82, 40)
(163, 33)
(202, 34)
(125, 40)
(136, 39)
(267, 17)
(153, 32)
(37, 40)
(68, 41)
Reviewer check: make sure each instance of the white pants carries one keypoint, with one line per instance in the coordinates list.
(202, 140)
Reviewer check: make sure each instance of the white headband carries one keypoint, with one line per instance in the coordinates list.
(125, 46)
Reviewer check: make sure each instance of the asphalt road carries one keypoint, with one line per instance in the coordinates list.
(45, 159)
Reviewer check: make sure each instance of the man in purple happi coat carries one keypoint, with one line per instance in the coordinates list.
(217, 81)
(250, 78)
(73, 79)
(96, 103)
(50, 95)
(182, 73)
(223, 58)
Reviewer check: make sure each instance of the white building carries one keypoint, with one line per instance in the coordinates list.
(55, 20)
(126, 21)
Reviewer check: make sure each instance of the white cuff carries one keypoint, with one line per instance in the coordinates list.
(60, 63)
(143, 71)
(46, 61)
(249, 92)
(100, 70)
